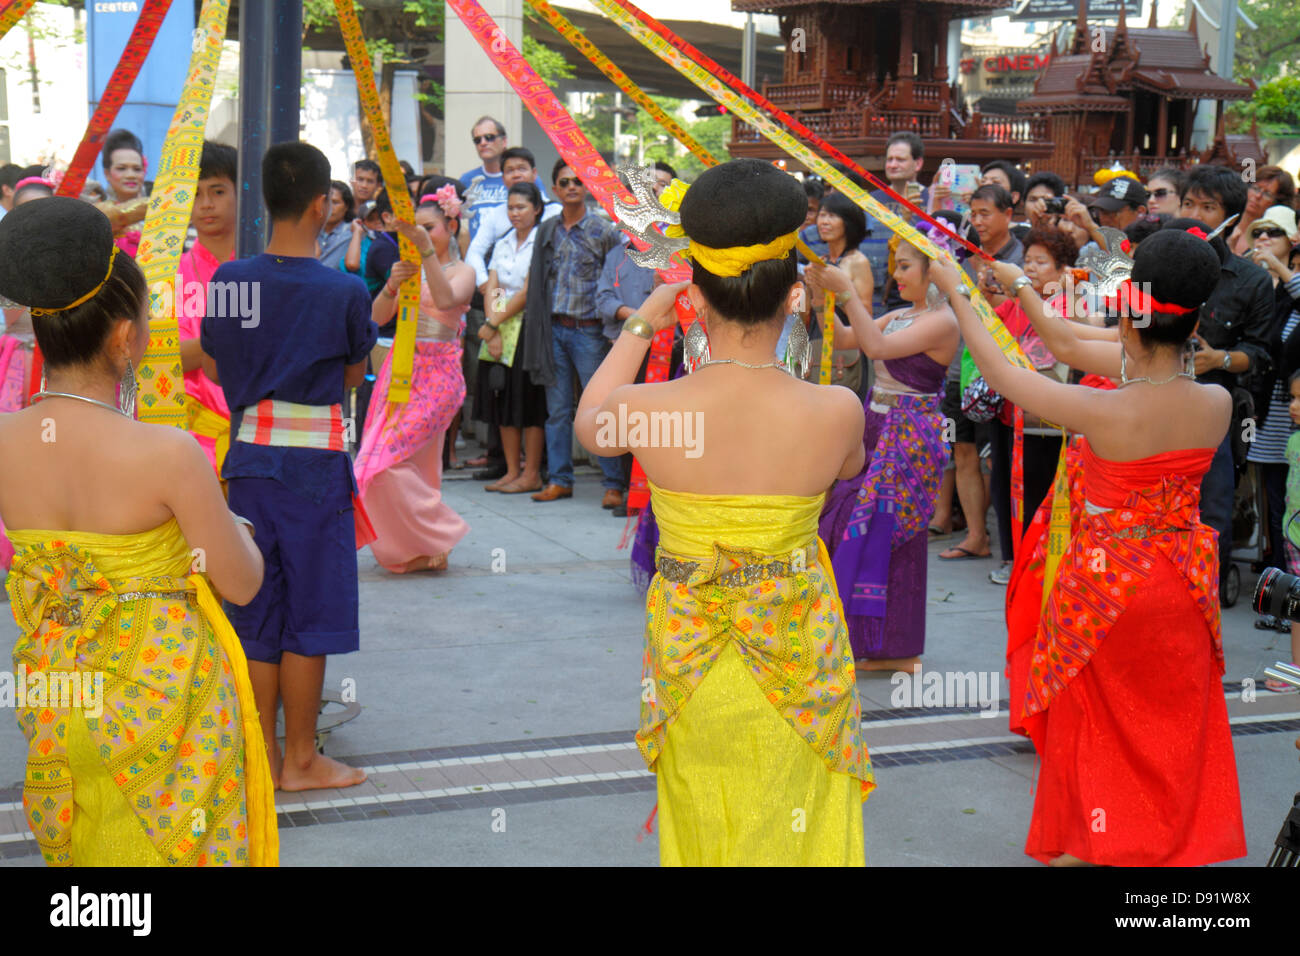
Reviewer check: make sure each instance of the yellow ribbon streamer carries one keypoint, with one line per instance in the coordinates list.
(408, 300)
(620, 79)
(1058, 532)
(161, 397)
(742, 108)
(12, 15)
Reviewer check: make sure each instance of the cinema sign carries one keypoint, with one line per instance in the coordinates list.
(1007, 63)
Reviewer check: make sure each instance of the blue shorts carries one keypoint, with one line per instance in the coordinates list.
(308, 601)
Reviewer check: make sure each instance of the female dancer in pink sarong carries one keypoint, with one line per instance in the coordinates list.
(399, 464)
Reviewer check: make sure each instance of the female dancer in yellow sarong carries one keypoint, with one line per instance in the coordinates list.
(144, 747)
(750, 713)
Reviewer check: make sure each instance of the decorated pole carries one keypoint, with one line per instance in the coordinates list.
(578, 152)
(774, 112)
(11, 11)
(408, 300)
(720, 93)
(115, 93)
(161, 382)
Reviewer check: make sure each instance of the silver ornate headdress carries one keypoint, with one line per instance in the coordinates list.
(639, 219)
(1110, 268)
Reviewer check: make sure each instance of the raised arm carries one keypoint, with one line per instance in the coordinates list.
(352, 258)
(1076, 345)
(923, 335)
(620, 366)
(385, 305)
(445, 292)
(1071, 406)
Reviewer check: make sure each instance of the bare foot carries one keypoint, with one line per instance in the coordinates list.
(319, 773)
(1066, 859)
(435, 563)
(906, 664)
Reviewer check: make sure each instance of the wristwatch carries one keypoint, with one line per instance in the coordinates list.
(1019, 284)
(1227, 361)
(963, 290)
(639, 326)
(428, 252)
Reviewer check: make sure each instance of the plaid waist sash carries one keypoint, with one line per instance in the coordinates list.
(290, 425)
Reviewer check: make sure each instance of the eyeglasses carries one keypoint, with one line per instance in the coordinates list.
(1259, 190)
(1269, 233)
(564, 182)
(486, 138)
(1161, 193)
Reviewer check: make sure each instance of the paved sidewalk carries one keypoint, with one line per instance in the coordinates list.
(499, 701)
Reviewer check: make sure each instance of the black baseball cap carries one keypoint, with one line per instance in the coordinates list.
(1120, 192)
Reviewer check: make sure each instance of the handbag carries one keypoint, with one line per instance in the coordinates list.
(980, 403)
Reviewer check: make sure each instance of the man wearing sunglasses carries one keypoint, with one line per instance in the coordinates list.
(484, 186)
(563, 331)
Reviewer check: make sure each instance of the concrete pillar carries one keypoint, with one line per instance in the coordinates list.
(474, 87)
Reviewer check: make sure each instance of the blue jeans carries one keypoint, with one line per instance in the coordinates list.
(1217, 490)
(579, 350)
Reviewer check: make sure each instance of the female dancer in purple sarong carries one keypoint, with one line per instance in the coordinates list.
(874, 524)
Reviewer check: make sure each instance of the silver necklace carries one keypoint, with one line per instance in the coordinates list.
(1163, 381)
(80, 398)
(729, 361)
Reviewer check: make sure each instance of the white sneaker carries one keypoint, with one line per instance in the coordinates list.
(1001, 575)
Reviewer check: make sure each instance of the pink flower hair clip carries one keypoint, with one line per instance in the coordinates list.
(446, 199)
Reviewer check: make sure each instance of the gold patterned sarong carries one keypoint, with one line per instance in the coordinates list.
(163, 763)
(750, 713)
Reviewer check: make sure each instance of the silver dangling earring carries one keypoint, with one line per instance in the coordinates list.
(1189, 359)
(126, 391)
(1123, 362)
(696, 348)
(797, 351)
(934, 298)
(42, 388)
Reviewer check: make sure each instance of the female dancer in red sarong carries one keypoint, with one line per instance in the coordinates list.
(1122, 697)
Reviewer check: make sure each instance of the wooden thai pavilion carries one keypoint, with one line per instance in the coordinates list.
(1130, 95)
(857, 71)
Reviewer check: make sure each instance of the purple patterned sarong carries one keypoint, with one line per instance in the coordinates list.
(875, 524)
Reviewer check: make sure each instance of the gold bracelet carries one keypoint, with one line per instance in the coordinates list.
(639, 327)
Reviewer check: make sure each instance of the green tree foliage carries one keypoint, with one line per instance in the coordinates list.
(1273, 49)
(1275, 107)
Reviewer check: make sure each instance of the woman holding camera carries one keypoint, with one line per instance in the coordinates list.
(1123, 700)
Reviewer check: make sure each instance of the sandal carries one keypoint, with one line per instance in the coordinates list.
(964, 554)
(514, 489)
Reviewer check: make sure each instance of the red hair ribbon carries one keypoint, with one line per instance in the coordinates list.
(1198, 232)
(1130, 300)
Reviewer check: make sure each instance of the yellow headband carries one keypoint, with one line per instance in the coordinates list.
(89, 295)
(731, 261)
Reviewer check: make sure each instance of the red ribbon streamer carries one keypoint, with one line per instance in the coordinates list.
(115, 93)
(790, 123)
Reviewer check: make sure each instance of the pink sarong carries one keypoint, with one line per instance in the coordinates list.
(399, 464)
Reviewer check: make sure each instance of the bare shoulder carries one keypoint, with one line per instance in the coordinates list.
(177, 449)
(838, 400)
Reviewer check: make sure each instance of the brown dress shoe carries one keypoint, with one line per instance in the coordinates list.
(553, 491)
(613, 498)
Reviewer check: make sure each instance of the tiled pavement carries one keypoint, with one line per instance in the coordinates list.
(490, 775)
(483, 690)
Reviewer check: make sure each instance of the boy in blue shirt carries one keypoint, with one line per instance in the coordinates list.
(282, 371)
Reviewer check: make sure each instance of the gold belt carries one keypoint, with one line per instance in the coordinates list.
(680, 572)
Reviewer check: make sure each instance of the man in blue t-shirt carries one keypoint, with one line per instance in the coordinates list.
(484, 186)
(301, 334)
